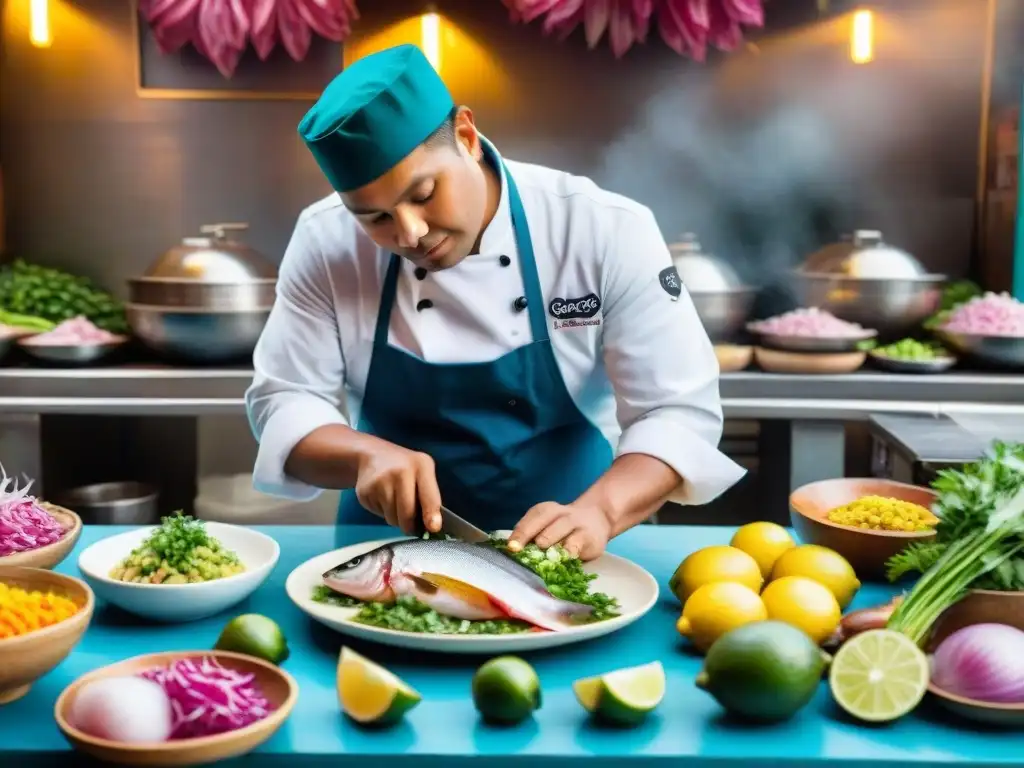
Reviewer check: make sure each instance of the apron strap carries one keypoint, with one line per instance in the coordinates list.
(387, 300)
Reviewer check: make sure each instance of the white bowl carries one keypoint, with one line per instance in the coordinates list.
(180, 602)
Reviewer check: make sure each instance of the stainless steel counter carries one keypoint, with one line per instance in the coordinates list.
(818, 408)
(155, 390)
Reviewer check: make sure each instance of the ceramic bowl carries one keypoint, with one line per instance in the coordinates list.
(866, 550)
(176, 603)
(987, 713)
(71, 354)
(26, 658)
(733, 357)
(51, 555)
(277, 685)
(778, 361)
(979, 606)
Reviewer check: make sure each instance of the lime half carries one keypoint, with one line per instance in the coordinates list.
(624, 696)
(370, 694)
(879, 675)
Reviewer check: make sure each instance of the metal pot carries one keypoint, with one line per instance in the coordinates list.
(864, 280)
(119, 503)
(205, 300)
(722, 301)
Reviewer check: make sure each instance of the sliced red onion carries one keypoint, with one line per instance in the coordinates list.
(984, 662)
(994, 314)
(812, 322)
(24, 524)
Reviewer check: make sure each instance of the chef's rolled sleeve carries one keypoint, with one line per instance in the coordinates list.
(299, 369)
(662, 364)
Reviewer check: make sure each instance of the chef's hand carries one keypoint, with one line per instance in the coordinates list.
(583, 530)
(399, 484)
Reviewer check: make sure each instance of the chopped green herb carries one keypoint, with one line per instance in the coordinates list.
(563, 575)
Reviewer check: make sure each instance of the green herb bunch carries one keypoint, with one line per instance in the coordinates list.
(176, 539)
(978, 544)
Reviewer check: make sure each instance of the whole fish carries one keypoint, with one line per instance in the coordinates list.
(455, 578)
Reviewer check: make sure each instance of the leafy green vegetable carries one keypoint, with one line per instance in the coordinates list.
(54, 295)
(563, 575)
(954, 294)
(979, 535)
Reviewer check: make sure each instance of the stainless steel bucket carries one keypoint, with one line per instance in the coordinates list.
(120, 503)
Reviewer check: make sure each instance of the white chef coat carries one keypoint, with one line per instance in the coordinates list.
(642, 369)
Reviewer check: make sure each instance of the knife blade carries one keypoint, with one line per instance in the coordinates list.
(455, 526)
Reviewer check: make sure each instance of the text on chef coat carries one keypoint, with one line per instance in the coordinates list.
(575, 313)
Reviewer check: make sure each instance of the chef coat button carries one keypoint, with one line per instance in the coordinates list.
(504, 261)
(512, 403)
(424, 304)
(519, 304)
(420, 273)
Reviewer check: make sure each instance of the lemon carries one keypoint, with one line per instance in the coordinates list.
(716, 608)
(822, 564)
(764, 542)
(879, 675)
(804, 603)
(370, 694)
(711, 564)
(625, 696)
(506, 690)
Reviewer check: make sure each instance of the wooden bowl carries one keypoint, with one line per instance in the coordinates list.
(777, 361)
(733, 357)
(278, 686)
(51, 555)
(985, 712)
(26, 658)
(866, 550)
(979, 606)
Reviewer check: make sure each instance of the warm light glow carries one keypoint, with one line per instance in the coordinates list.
(39, 23)
(862, 41)
(430, 32)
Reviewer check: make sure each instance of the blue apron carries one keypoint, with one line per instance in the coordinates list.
(504, 434)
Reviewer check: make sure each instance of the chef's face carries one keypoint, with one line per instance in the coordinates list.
(429, 208)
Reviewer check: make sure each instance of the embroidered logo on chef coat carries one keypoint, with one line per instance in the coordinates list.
(574, 313)
(670, 281)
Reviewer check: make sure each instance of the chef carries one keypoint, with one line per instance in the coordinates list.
(453, 327)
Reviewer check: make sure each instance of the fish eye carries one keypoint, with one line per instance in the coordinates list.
(354, 562)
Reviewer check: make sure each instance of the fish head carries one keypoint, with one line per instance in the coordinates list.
(364, 577)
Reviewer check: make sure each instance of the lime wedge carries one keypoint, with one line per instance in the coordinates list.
(624, 696)
(879, 675)
(370, 694)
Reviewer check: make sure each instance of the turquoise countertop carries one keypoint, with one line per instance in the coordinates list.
(688, 729)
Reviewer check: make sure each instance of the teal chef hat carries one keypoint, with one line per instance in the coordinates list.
(373, 114)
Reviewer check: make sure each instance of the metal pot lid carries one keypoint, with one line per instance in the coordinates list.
(864, 254)
(217, 258)
(701, 272)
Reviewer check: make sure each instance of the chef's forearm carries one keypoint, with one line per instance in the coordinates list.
(633, 489)
(330, 456)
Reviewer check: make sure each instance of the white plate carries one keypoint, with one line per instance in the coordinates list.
(180, 602)
(634, 588)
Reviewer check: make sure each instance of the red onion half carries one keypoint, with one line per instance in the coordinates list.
(984, 662)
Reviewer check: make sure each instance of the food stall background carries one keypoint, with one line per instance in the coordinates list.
(766, 155)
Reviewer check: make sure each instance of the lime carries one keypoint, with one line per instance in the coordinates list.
(879, 675)
(254, 635)
(711, 564)
(824, 565)
(763, 541)
(624, 696)
(805, 603)
(506, 689)
(370, 694)
(716, 608)
(766, 671)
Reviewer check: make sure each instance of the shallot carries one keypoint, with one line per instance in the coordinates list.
(76, 332)
(24, 524)
(208, 698)
(989, 315)
(984, 662)
(812, 322)
(686, 26)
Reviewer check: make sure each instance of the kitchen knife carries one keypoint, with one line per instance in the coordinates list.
(457, 527)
